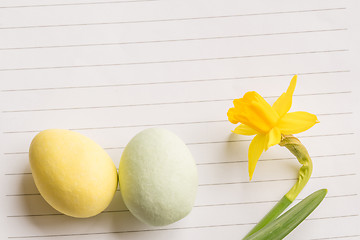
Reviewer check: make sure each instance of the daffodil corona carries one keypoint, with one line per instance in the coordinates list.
(269, 123)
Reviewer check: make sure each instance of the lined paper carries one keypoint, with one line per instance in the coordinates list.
(109, 69)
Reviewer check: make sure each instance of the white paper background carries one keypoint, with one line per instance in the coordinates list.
(110, 69)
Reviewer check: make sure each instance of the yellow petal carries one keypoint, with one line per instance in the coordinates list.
(257, 146)
(296, 122)
(283, 103)
(273, 138)
(244, 130)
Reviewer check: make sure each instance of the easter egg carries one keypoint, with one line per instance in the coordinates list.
(158, 177)
(72, 173)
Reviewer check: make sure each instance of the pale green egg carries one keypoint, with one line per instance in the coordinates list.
(158, 177)
(73, 173)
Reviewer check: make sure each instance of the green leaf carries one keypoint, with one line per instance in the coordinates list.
(275, 212)
(287, 222)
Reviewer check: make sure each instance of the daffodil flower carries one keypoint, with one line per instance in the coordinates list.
(268, 123)
(274, 125)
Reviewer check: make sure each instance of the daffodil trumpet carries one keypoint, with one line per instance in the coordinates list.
(273, 125)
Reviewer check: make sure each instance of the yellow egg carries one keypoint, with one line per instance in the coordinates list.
(73, 173)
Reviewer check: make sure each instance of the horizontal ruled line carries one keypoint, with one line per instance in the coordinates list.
(274, 180)
(159, 229)
(340, 196)
(61, 214)
(173, 19)
(196, 206)
(230, 162)
(331, 114)
(158, 103)
(249, 140)
(340, 175)
(177, 82)
(330, 217)
(260, 160)
(329, 135)
(215, 142)
(75, 4)
(22, 194)
(13, 153)
(129, 231)
(269, 201)
(175, 61)
(129, 126)
(336, 237)
(16, 174)
(222, 184)
(172, 40)
(157, 124)
(115, 106)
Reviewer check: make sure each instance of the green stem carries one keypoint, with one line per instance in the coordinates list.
(299, 151)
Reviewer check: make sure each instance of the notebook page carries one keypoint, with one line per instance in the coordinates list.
(109, 69)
